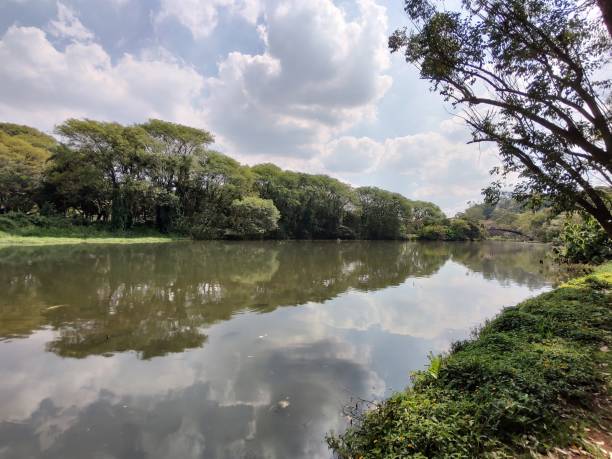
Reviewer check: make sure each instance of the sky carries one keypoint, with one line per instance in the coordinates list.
(306, 84)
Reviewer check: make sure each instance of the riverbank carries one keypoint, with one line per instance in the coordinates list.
(534, 380)
(38, 230)
(7, 240)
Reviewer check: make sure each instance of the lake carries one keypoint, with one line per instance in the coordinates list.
(229, 350)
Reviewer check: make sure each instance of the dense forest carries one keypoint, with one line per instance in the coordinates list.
(164, 176)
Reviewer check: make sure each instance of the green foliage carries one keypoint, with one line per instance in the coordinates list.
(425, 213)
(322, 207)
(435, 365)
(311, 206)
(23, 155)
(583, 241)
(529, 76)
(177, 140)
(163, 175)
(437, 232)
(384, 215)
(28, 134)
(23, 228)
(253, 216)
(456, 229)
(517, 387)
(510, 219)
(464, 230)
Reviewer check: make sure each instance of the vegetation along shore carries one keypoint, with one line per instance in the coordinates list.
(159, 181)
(104, 179)
(535, 379)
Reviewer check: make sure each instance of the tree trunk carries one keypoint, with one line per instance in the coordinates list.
(606, 11)
(604, 217)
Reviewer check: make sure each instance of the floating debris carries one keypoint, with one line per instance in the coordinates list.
(283, 404)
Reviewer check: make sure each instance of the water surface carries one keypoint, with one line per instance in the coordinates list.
(229, 350)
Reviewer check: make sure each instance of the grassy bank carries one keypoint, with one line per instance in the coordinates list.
(7, 239)
(20, 229)
(534, 380)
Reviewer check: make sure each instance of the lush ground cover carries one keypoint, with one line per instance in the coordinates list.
(40, 230)
(533, 380)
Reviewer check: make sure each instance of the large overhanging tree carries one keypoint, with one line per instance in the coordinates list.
(606, 11)
(531, 76)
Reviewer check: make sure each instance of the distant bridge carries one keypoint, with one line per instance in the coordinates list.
(506, 230)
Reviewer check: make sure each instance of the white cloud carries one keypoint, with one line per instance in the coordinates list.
(435, 165)
(68, 25)
(352, 155)
(201, 16)
(41, 85)
(426, 312)
(320, 74)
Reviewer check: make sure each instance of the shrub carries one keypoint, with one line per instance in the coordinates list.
(435, 232)
(456, 229)
(252, 216)
(464, 230)
(583, 242)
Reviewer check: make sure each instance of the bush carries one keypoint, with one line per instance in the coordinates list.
(583, 242)
(19, 222)
(435, 232)
(464, 230)
(53, 226)
(456, 229)
(201, 226)
(252, 216)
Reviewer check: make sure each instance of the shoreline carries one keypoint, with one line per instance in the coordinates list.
(7, 240)
(533, 380)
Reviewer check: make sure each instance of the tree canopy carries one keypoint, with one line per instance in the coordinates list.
(24, 152)
(529, 76)
(164, 175)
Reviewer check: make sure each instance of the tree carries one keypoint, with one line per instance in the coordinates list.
(215, 182)
(425, 213)
(164, 174)
(29, 134)
(24, 152)
(120, 154)
(464, 230)
(172, 151)
(253, 216)
(384, 215)
(177, 139)
(73, 182)
(283, 188)
(528, 75)
(311, 206)
(606, 11)
(325, 204)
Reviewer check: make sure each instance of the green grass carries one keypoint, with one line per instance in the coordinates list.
(7, 239)
(528, 382)
(20, 229)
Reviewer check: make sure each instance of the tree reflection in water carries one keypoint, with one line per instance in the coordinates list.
(159, 299)
(237, 381)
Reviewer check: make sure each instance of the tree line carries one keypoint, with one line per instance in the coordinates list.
(164, 175)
